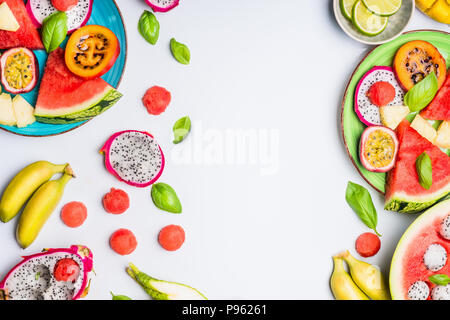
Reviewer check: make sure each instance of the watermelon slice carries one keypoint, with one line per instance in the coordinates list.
(66, 98)
(27, 35)
(403, 190)
(439, 108)
(409, 274)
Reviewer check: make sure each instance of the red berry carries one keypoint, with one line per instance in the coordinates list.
(123, 241)
(171, 237)
(367, 244)
(156, 100)
(64, 5)
(116, 201)
(66, 270)
(73, 214)
(381, 93)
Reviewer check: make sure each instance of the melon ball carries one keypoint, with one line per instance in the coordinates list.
(116, 201)
(73, 214)
(367, 244)
(435, 257)
(66, 270)
(64, 5)
(381, 93)
(123, 241)
(171, 237)
(156, 100)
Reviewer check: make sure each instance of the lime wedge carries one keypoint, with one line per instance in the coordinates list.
(367, 22)
(383, 7)
(346, 7)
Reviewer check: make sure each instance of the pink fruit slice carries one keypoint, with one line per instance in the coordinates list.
(162, 5)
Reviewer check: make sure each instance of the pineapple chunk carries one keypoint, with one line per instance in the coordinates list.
(391, 116)
(443, 135)
(425, 129)
(7, 116)
(24, 112)
(8, 21)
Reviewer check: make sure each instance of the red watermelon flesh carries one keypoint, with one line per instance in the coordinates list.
(439, 108)
(27, 35)
(403, 190)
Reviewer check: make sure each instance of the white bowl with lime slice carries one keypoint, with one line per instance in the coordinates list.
(373, 21)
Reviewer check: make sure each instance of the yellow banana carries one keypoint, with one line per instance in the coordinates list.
(40, 207)
(342, 285)
(367, 277)
(23, 185)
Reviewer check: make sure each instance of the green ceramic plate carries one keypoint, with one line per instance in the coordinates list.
(382, 55)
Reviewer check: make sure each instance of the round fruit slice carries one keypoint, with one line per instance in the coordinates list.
(417, 59)
(421, 250)
(383, 7)
(19, 70)
(91, 51)
(378, 149)
(367, 22)
(346, 7)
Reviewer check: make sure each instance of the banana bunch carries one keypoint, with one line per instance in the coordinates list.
(33, 184)
(438, 10)
(363, 283)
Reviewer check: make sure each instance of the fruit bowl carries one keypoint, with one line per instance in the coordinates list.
(396, 25)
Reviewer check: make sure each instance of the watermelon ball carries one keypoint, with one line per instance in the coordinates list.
(156, 100)
(116, 201)
(123, 242)
(64, 5)
(73, 214)
(66, 270)
(381, 93)
(367, 244)
(171, 237)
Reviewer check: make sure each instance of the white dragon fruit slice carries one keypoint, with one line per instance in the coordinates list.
(445, 228)
(435, 257)
(134, 157)
(419, 290)
(162, 5)
(367, 112)
(32, 279)
(441, 292)
(77, 17)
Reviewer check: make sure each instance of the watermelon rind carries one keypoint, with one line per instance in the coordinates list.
(88, 112)
(404, 203)
(412, 234)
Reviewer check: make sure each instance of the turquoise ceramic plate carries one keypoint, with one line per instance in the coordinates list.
(105, 13)
(382, 55)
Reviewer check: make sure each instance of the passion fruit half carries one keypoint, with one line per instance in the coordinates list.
(19, 70)
(378, 149)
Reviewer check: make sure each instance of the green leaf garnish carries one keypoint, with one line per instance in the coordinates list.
(180, 51)
(422, 93)
(165, 198)
(54, 30)
(181, 128)
(440, 279)
(424, 170)
(149, 27)
(37, 276)
(120, 297)
(360, 201)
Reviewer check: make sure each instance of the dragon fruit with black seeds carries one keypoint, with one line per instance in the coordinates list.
(367, 112)
(162, 5)
(419, 290)
(134, 157)
(34, 277)
(77, 16)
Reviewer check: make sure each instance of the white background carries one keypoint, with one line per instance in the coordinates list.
(255, 65)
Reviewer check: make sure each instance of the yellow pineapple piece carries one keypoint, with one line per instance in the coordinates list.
(8, 21)
(24, 112)
(391, 116)
(424, 128)
(7, 116)
(443, 135)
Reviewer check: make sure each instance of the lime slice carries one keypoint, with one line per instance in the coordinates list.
(367, 22)
(383, 7)
(346, 7)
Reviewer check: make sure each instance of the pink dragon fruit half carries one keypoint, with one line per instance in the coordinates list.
(134, 157)
(33, 278)
(162, 5)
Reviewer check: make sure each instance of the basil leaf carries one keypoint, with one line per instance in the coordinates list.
(422, 93)
(119, 297)
(440, 279)
(181, 128)
(360, 201)
(424, 170)
(54, 30)
(165, 198)
(180, 51)
(149, 27)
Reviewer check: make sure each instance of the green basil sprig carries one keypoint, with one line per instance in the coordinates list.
(119, 297)
(440, 279)
(424, 170)
(181, 128)
(180, 51)
(360, 201)
(422, 93)
(165, 198)
(54, 30)
(149, 27)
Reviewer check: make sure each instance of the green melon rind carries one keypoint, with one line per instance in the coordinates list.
(395, 274)
(106, 102)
